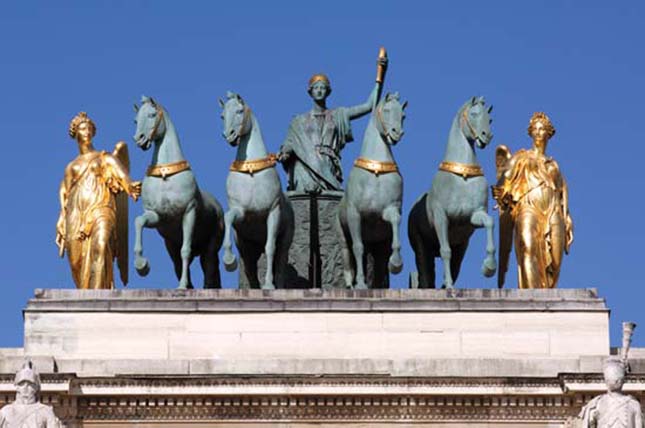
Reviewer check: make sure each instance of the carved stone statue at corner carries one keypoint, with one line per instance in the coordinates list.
(27, 411)
(533, 202)
(311, 150)
(93, 224)
(614, 409)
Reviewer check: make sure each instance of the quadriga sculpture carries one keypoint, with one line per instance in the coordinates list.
(370, 211)
(189, 220)
(442, 220)
(257, 209)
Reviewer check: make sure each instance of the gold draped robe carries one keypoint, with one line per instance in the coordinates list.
(88, 218)
(533, 193)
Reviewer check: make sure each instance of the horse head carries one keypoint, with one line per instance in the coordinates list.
(150, 124)
(390, 114)
(475, 121)
(237, 118)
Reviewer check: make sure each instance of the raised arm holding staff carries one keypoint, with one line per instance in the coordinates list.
(311, 150)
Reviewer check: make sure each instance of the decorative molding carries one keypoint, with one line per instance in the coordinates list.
(329, 408)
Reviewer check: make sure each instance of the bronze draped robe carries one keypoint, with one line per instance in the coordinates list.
(316, 141)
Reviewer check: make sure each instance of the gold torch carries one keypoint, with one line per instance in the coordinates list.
(380, 68)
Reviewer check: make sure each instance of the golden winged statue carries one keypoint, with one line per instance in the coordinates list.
(532, 198)
(93, 224)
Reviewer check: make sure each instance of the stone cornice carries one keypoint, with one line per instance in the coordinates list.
(316, 385)
(226, 300)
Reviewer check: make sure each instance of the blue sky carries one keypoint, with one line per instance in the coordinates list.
(581, 62)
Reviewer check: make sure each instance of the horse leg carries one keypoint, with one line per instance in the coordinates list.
(210, 265)
(354, 226)
(421, 255)
(430, 273)
(174, 253)
(425, 279)
(273, 223)
(188, 227)
(249, 254)
(480, 218)
(458, 253)
(285, 236)
(281, 261)
(381, 253)
(345, 242)
(147, 219)
(441, 228)
(230, 262)
(392, 215)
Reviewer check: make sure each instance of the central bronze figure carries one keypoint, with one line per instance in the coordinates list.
(311, 150)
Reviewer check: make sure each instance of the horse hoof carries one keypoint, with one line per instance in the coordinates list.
(268, 286)
(395, 267)
(489, 268)
(230, 263)
(360, 286)
(187, 286)
(142, 266)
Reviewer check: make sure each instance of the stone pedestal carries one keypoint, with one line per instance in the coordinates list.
(234, 325)
(317, 358)
(315, 255)
(315, 258)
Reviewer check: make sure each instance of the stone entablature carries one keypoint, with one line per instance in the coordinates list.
(307, 399)
(297, 358)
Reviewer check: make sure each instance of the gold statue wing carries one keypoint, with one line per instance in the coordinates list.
(121, 153)
(505, 243)
(502, 160)
(502, 163)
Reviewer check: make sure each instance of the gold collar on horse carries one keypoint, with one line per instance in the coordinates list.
(255, 165)
(466, 170)
(376, 167)
(165, 170)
